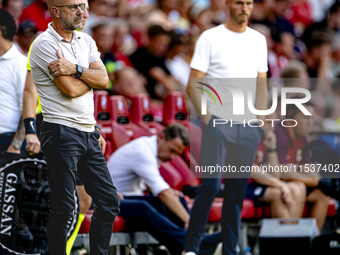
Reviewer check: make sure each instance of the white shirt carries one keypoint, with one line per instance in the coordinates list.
(222, 53)
(179, 69)
(136, 164)
(13, 76)
(56, 108)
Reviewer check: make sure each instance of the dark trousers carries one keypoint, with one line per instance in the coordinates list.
(149, 213)
(5, 141)
(70, 153)
(223, 145)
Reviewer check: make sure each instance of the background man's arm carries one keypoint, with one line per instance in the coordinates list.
(261, 101)
(30, 102)
(196, 95)
(171, 201)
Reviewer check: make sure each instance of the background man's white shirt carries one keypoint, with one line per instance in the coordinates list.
(136, 164)
(226, 56)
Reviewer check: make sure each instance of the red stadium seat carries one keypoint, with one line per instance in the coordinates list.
(171, 176)
(331, 208)
(108, 150)
(248, 209)
(175, 110)
(142, 114)
(118, 226)
(102, 108)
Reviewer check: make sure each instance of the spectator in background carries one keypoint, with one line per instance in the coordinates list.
(150, 62)
(295, 75)
(286, 200)
(38, 13)
(293, 148)
(103, 36)
(177, 66)
(129, 82)
(124, 44)
(165, 15)
(25, 36)
(300, 15)
(202, 19)
(330, 24)
(13, 76)
(102, 12)
(318, 61)
(218, 9)
(284, 51)
(275, 13)
(14, 7)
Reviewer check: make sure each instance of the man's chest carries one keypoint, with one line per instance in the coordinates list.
(76, 53)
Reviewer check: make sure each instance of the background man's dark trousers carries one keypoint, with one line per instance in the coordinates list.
(70, 153)
(223, 145)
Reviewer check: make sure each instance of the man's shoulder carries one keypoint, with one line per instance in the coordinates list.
(44, 39)
(213, 32)
(255, 34)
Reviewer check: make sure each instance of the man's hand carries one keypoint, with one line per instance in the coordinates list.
(11, 149)
(178, 193)
(120, 195)
(102, 143)
(61, 66)
(33, 144)
(287, 194)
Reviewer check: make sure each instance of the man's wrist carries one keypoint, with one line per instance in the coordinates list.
(30, 126)
(16, 144)
(271, 150)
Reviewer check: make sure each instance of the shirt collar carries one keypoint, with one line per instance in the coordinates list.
(10, 53)
(50, 29)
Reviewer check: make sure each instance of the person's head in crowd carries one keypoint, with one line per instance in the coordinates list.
(304, 122)
(14, 7)
(295, 75)
(123, 41)
(263, 29)
(168, 5)
(239, 13)
(202, 18)
(320, 46)
(284, 44)
(172, 141)
(129, 82)
(26, 34)
(258, 13)
(159, 40)
(7, 28)
(333, 19)
(105, 8)
(67, 18)
(176, 45)
(103, 36)
(281, 7)
(86, 14)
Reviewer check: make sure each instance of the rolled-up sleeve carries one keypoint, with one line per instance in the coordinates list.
(147, 169)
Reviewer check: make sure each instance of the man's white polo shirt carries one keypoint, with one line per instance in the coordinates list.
(136, 164)
(56, 108)
(13, 77)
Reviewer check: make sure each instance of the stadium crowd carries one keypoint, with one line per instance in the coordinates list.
(147, 46)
